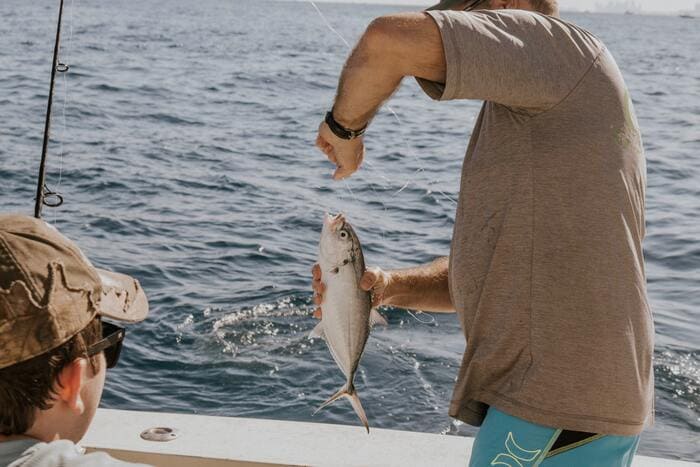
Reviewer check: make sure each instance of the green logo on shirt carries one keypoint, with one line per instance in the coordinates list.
(630, 133)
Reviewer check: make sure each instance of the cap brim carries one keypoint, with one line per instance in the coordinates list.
(123, 299)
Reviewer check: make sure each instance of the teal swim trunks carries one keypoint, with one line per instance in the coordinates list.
(507, 441)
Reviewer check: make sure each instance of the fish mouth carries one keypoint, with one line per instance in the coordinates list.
(334, 222)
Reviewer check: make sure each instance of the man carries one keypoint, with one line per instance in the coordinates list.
(54, 346)
(546, 270)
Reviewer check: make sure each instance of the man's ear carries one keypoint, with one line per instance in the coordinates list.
(70, 382)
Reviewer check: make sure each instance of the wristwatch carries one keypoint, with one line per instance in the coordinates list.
(340, 131)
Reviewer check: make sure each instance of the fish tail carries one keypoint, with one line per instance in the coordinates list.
(348, 391)
(357, 405)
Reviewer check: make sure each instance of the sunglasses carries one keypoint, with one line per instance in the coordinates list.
(110, 344)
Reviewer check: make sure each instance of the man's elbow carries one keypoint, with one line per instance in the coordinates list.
(379, 36)
(383, 26)
(409, 43)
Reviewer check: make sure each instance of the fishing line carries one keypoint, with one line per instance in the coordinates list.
(409, 151)
(404, 139)
(65, 96)
(430, 321)
(347, 185)
(378, 198)
(367, 163)
(328, 24)
(65, 102)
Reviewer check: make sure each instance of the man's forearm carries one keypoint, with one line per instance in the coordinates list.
(365, 82)
(422, 288)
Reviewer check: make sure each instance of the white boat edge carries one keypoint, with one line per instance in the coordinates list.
(207, 441)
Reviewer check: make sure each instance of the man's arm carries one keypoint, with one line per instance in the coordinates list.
(392, 47)
(423, 288)
(407, 44)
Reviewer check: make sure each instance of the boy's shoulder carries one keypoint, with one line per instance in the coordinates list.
(57, 453)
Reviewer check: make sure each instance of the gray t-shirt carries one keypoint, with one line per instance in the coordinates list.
(546, 265)
(62, 453)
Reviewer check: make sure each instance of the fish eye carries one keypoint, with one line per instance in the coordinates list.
(343, 234)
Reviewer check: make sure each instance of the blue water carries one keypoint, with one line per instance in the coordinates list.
(183, 147)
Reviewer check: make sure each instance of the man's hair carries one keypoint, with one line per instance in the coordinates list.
(547, 7)
(31, 385)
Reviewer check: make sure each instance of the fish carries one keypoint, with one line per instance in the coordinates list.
(347, 309)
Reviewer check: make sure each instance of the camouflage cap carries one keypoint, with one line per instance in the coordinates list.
(49, 290)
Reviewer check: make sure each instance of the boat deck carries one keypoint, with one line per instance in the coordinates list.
(206, 441)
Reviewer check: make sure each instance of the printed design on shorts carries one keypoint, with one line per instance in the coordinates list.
(515, 455)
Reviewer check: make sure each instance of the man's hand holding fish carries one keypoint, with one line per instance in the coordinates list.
(421, 288)
(373, 280)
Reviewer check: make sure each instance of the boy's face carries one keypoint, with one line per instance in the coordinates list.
(90, 395)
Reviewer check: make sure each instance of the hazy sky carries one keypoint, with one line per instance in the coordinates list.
(647, 5)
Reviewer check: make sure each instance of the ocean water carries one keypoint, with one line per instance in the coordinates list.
(182, 142)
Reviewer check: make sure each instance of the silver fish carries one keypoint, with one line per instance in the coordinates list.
(347, 309)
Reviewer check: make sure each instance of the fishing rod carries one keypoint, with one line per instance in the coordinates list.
(44, 196)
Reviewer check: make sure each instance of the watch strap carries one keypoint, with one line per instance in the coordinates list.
(340, 131)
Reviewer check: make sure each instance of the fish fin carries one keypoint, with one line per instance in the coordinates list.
(376, 318)
(343, 391)
(317, 332)
(348, 391)
(357, 405)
